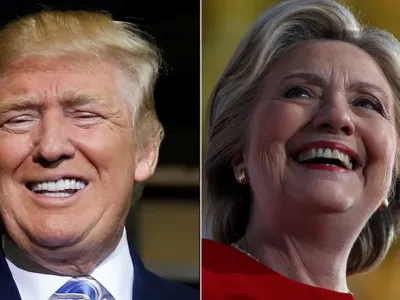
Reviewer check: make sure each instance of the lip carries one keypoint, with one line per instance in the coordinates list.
(331, 145)
(327, 168)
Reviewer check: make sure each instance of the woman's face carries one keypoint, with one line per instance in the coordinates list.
(322, 134)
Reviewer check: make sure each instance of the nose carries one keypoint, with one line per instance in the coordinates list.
(334, 116)
(52, 143)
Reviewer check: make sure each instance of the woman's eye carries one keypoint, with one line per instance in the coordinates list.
(369, 104)
(298, 92)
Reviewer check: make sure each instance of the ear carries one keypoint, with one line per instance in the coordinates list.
(238, 165)
(147, 161)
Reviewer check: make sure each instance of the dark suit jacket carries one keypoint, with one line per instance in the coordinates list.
(147, 285)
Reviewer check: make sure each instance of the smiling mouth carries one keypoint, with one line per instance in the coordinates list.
(58, 189)
(328, 157)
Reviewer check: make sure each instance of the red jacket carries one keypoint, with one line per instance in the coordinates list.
(230, 274)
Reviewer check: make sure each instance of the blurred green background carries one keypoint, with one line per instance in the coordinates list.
(224, 22)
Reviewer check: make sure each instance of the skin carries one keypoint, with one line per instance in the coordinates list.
(70, 120)
(303, 221)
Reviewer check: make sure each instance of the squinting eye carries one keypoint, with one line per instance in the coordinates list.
(81, 118)
(369, 104)
(24, 122)
(86, 115)
(297, 92)
(20, 120)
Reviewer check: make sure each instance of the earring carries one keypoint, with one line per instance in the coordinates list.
(242, 178)
(384, 204)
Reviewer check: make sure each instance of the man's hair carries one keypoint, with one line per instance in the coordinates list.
(58, 33)
(274, 33)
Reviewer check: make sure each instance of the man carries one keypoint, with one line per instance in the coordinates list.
(78, 131)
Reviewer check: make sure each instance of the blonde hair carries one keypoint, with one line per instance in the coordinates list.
(57, 33)
(272, 35)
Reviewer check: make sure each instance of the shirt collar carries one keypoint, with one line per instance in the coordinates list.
(119, 284)
(115, 272)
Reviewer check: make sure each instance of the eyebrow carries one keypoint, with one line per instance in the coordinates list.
(19, 103)
(362, 85)
(79, 98)
(356, 85)
(310, 77)
(68, 98)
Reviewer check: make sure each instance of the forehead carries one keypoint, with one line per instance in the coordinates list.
(332, 60)
(49, 78)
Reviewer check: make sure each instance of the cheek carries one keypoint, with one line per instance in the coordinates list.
(105, 144)
(381, 147)
(277, 121)
(382, 142)
(14, 150)
(272, 126)
(109, 151)
(14, 153)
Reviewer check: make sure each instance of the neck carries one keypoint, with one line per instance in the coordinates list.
(57, 262)
(307, 249)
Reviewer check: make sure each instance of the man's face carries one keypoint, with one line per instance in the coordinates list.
(67, 157)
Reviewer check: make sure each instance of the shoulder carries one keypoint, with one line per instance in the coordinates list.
(8, 286)
(227, 272)
(215, 254)
(155, 287)
(148, 285)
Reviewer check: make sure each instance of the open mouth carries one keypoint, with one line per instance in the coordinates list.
(61, 188)
(327, 156)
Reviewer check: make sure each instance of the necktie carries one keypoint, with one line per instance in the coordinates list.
(82, 288)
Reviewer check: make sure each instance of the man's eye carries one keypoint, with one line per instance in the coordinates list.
(19, 120)
(85, 118)
(86, 115)
(20, 123)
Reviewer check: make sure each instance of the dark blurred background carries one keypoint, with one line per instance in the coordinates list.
(164, 224)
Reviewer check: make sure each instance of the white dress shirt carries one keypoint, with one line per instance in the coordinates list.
(115, 273)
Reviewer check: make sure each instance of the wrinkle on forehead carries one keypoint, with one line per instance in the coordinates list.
(18, 88)
(67, 62)
(320, 57)
(67, 98)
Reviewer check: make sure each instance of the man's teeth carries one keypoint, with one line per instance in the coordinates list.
(58, 188)
(326, 153)
(57, 195)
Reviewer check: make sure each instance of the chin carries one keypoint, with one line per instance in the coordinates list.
(56, 241)
(334, 205)
(326, 199)
(57, 235)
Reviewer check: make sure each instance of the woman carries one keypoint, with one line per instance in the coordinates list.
(302, 156)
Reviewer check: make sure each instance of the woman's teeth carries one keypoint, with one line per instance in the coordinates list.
(327, 153)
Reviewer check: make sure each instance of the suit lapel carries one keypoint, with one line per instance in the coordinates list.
(148, 285)
(142, 285)
(8, 288)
